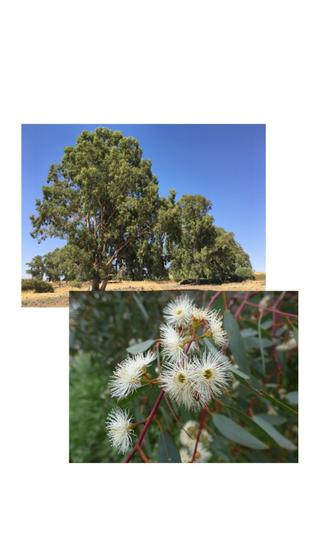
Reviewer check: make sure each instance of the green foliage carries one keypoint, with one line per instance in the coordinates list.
(68, 263)
(236, 433)
(244, 273)
(167, 450)
(103, 199)
(236, 342)
(198, 249)
(255, 420)
(36, 267)
(38, 286)
(75, 284)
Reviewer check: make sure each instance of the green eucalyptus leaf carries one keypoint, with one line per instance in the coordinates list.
(209, 344)
(268, 397)
(236, 342)
(229, 429)
(141, 306)
(254, 342)
(273, 419)
(274, 434)
(292, 397)
(267, 324)
(167, 450)
(141, 347)
(248, 332)
(238, 372)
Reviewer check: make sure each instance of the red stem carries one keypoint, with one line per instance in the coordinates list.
(241, 307)
(203, 416)
(145, 427)
(273, 310)
(273, 349)
(212, 299)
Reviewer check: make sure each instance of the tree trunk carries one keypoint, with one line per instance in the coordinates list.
(94, 285)
(103, 285)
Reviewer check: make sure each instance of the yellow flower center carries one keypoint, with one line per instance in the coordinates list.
(208, 373)
(181, 377)
(179, 311)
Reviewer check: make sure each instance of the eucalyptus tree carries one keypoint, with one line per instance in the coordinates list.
(101, 197)
(36, 267)
(198, 249)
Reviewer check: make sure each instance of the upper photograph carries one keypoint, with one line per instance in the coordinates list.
(141, 207)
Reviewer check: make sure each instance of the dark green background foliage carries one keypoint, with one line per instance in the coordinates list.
(103, 325)
(39, 286)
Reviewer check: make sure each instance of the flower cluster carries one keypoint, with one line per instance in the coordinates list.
(129, 374)
(120, 429)
(188, 437)
(190, 375)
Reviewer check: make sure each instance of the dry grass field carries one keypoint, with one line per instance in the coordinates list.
(60, 297)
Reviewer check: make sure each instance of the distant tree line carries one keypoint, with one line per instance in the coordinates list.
(103, 199)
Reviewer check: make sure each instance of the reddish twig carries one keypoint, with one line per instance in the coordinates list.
(142, 454)
(203, 416)
(145, 427)
(212, 299)
(273, 348)
(241, 307)
(277, 311)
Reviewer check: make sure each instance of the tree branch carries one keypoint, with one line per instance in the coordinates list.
(145, 427)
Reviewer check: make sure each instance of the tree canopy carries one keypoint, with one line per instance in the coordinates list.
(103, 199)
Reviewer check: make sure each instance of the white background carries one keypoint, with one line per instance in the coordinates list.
(152, 62)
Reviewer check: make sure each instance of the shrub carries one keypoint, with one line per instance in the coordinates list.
(244, 273)
(38, 286)
(75, 284)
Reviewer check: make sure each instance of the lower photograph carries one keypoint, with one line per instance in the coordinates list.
(183, 377)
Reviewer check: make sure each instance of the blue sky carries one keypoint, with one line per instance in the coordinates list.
(225, 163)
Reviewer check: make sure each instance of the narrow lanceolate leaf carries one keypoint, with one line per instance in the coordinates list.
(229, 429)
(248, 332)
(273, 419)
(167, 450)
(141, 307)
(141, 347)
(238, 372)
(209, 344)
(274, 434)
(296, 334)
(271, 398)
(236, 342)
(292, 397)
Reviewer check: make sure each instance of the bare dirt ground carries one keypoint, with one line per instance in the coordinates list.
(60, 297)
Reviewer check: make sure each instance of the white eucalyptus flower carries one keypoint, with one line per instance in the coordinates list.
(288, 345)
(211, 375)
(212, 323)
(119, 428)
(177, 380)
(128, 374)
(264, 302)
(172, 343)
(200, 316)
(143, 360)
(202, 454)
(216, 330)
(188, 434)
(185, 455)
(178, 312)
